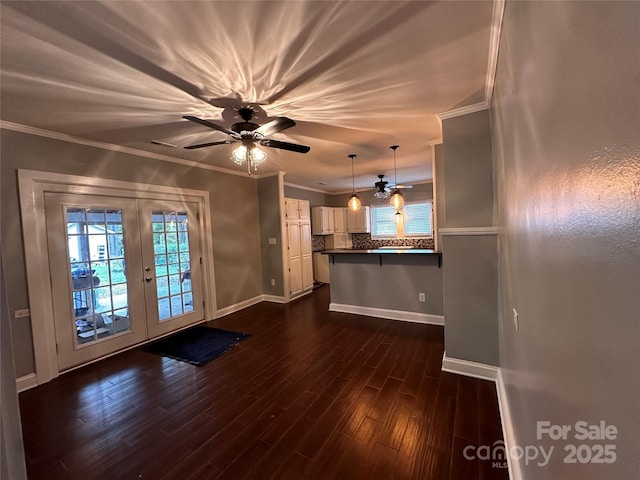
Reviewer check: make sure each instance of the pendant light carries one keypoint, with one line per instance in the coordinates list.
(354, 203)
(396, 199)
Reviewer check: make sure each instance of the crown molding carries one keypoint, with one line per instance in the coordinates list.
(275, 173)
(466, 231)
(17, 127)
(302, 187)
(458, 112)
(494, 48)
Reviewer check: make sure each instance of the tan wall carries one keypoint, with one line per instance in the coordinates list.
(236, 230)
(360, 280)
(271, 227)
(438, 173)
(470, 283)
(468, 171)
(316, 199)
(566, 123)
(12, 462)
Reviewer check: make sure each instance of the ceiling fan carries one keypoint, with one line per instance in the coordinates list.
(249, 133)
(383, 190)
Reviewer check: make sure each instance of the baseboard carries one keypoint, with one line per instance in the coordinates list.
(469, 369)
(301, 294)
(249, 302)
(510, 443)
(274, 299)
(239, 306)
(493, 374)
(26, 382)
(404, 316)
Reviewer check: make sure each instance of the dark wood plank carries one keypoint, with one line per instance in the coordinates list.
(466, 420)
(311, 395)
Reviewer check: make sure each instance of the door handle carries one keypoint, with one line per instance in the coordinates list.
(148, 279)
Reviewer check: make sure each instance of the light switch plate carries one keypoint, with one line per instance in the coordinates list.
(272, 240)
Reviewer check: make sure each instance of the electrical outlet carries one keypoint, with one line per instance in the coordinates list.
(421, 297)
(516, 321)
(21, 313)
(273, 282)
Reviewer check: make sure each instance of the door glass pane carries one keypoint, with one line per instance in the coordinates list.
(172, 263)
(98, 277)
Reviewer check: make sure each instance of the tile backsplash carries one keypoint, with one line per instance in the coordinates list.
(364, 241)
(317, 243)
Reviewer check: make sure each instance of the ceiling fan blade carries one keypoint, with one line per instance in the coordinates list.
(400, 186)
(293, 147)
(274, 126)
(210, 144)
(209, 124)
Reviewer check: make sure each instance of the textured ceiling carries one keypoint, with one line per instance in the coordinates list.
(357, 77)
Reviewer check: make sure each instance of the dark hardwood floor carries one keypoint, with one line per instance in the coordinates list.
(311, 395)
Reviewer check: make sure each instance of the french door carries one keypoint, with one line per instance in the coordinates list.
(122, 271)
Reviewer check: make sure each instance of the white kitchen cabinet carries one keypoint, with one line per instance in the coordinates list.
(295, 258)
(322, 220)
(358, 222)
(340, 219)
(300, 260)
(297, 209)
(307, 256)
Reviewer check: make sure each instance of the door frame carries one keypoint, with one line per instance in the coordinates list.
(32, 187)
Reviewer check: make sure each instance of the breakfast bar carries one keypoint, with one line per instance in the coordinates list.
(390, 282)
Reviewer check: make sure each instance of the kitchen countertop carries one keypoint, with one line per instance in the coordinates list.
(383, 251)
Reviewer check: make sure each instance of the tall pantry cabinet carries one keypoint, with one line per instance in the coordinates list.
(300, 268)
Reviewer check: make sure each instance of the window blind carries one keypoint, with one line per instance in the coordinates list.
(417, 220)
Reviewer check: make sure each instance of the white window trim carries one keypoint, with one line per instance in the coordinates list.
(394, 237)
(33, 185)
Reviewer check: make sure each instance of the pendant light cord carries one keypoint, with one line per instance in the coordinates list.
(353, 178)
(395, 170)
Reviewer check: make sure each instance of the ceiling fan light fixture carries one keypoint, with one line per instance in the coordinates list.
(256, 156)
(238, 155)
(354, 202)
(381, 195)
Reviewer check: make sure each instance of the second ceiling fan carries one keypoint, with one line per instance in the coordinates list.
(382, 188)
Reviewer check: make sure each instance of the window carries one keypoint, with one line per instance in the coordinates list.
(417, 221)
